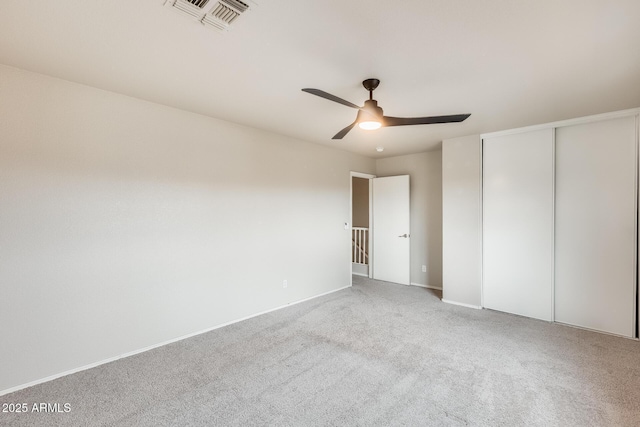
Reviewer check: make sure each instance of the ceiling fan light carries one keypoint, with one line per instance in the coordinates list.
(370, 125)
(370, 116)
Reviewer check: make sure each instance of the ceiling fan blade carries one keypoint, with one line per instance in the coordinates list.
(344, 131)
(325, 95)
(405, 121)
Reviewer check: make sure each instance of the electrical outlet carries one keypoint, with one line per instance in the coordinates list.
(424, 268)
(284, 284)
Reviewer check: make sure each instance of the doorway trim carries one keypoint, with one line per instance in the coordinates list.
(368, 176)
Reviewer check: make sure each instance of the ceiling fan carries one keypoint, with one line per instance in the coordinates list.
(370, 116)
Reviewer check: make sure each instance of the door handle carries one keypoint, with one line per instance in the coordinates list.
(405, 235)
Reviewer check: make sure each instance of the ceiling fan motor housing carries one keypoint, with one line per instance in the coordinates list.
(370, 110)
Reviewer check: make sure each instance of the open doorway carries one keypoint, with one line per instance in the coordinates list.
(380, 222)
(361, 212)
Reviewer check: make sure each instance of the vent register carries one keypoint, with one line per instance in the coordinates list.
(216, 14)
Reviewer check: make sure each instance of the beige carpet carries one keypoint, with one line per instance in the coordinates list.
(376, 354)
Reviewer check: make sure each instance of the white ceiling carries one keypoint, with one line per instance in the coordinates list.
(510, 63)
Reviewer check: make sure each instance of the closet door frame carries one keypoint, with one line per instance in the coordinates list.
(635, 112)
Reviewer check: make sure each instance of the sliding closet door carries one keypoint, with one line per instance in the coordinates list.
(518, 223)
(595, 248)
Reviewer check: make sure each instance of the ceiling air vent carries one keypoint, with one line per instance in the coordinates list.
(199, 3)
(236, 4)
(224, 13)
(193, 8)
(217, 14)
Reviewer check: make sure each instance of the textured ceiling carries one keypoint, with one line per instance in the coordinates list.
(510, 63)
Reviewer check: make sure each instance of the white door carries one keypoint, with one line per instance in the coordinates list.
(518, 223)
(391, 229)
(595, 277)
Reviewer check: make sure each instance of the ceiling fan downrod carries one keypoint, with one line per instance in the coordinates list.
(370, 85)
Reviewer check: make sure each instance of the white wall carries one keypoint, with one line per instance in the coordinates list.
(124, 224)
(425, 170)
(461, 220)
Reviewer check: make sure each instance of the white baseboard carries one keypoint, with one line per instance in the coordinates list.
(437, 288)
(477, 307)
(360, 269)
(151, 347)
